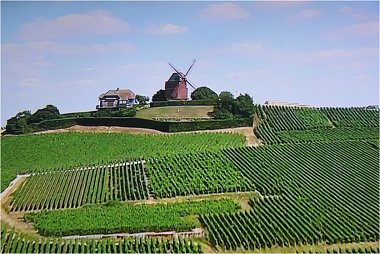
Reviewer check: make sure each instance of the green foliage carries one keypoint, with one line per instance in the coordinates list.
(25, 122)
(123, 112)
(194, 173)
(126, 218)
(243, 106)
(159, 96)
(352, 117)
(19, 123)
(209, 125)
(228, 107)
(52, 151)
(312, 193)
(183, 103)
(11, 242)
(142, 99)
(48, 113)
(286, 124)
(204, 93)
(87, 186)
(326, 134)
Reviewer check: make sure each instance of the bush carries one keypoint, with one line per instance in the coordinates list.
(184, 103)
(209, 125)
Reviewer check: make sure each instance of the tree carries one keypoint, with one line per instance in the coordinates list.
(226, 101)
(159, 96)
(47, 113)
(243, 106)
(19, 123)
(142, 99)
(223, 110)
(203, 93)
(228, 107)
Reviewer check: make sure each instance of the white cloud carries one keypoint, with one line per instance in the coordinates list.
(224, 11)
(167, 29)
(348, 10)
(31, 82)
(242, 48)
(304, 15)
(280, 4)
(73, 25)
(40, 47)
(367, 29)
(89, 69)
(247, 48)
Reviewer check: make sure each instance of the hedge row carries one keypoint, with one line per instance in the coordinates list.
(183, 103)
(142, 123)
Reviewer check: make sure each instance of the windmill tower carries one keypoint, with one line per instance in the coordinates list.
(176, 86)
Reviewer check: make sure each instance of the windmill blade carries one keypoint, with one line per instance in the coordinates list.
(176, 70)
(191, 66)
(190, 84)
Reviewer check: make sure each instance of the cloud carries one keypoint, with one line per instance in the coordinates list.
(241, 48)
(224, 11)
(84, 82)
(31, 82)
(167, 29)
(280, 4)
(304, 15)
(21, 50)
(96, 22)
(348, 10)
(367, 29)
(247, 48)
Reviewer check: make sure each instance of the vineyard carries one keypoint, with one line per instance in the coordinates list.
(283, 124)
(194, 173)
(12, 242)
(116, 218)
(76, 187)
(46, 152)
(314, 179)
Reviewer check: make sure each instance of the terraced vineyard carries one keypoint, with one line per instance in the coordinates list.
(76, 187)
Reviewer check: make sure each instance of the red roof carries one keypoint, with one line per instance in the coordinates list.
(122, 94)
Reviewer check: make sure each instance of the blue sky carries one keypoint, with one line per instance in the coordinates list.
(67, 53)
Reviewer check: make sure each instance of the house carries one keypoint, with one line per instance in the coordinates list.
(285, 104)
(116, 99)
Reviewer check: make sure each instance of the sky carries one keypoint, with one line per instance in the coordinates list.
(67, 53)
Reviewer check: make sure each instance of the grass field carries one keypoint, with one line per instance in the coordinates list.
(176, 112)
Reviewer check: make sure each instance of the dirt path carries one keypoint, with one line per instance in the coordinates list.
(196, 232)
(14, 220)
(251, 139)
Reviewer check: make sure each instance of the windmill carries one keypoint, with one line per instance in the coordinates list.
(176, 86)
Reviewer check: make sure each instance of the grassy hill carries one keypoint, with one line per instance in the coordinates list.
(182, 112)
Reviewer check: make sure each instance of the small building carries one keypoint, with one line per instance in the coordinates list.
(116, 99)
(285, 104)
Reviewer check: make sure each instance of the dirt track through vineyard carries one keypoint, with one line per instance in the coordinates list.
(14, 220)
